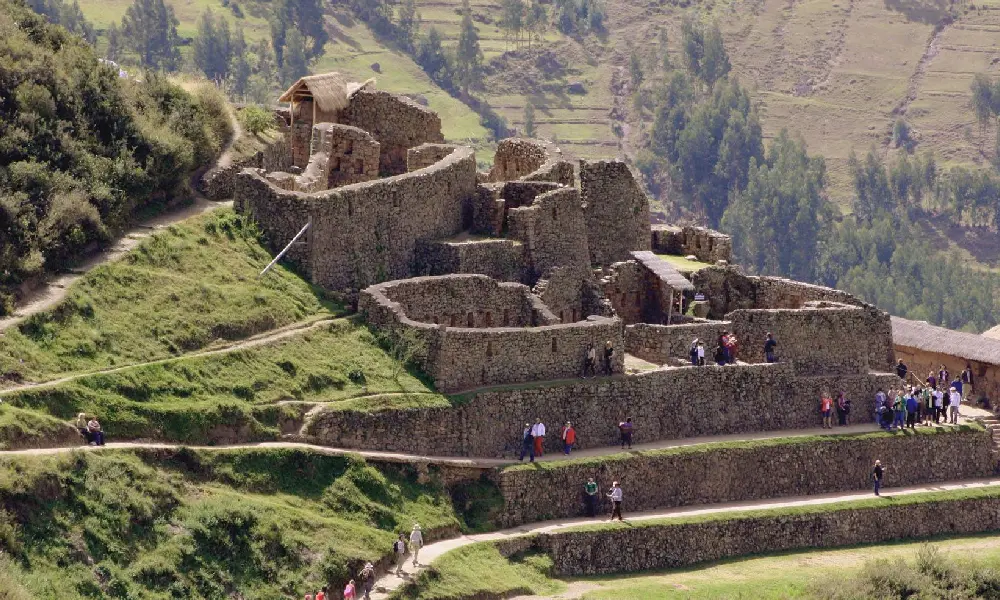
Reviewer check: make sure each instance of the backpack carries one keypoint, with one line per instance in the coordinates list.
(399, 547)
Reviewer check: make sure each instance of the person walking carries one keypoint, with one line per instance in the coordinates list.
(626, 429)
(616, 501)
(349, 590)
(609, 358)
(399, 550)
(769, 348)
(825, 408)
(912, 405)
(367, 577)
(590, 363)
(901, 369)
(568, 437)
(877, 474)
(527, 443)
(538, 433)
(590, 497)
(416, 542)
(954, 405)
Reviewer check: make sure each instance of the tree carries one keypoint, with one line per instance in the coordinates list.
(407, 24)
(432, 58)
(265, 73)
(664, 51)
(149, 28)
(635, 69)
(296, 63)
(240, 70)
(536, 21)
(305, 16)
(873, 194)
(529, 119)
(902, 136)
(114, 43)
(715, 61)
(512, 19)
(468, 56)
(213, 47)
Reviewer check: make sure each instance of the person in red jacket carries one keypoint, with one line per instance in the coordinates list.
(568, 437)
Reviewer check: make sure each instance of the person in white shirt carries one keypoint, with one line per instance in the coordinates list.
(616, 501)
(538, 432)
(701, 353)
(939, 406)
(956, 401)
(416, 542)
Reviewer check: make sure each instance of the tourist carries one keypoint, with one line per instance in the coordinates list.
(720, 355)
(367, 577)
(912, 405)
(968, 382)
(527, 443)
(928, 405)
(626, 428)
(825, 408)
(416, 542)
(349, 590)
(877, 474)
(879, 400)
(847, 408)
(899, 410)
(609, 358)
(769, 347)
(943, 376)
(957, 384)
(616, 501)
(538, 433)
(954, 404)
(694, 353)
(308, 596)
(938, 406)
(81, 426)
(901, 369)
(932, 380)
(96, 433)
(731, 348)
(841, 414)
(321, 595)
(590, 497)
(881, 409)
(399, 549)
(568, 437)
(590, 364)
(701, 353)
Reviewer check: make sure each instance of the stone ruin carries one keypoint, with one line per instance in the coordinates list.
(508, 276)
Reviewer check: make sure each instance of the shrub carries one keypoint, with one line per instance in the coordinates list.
(256, 120)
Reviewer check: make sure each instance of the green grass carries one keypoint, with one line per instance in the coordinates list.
(480, 571)
(22, 427)
(184, 524)
(180, 291)
(748, 445)
(682, 264)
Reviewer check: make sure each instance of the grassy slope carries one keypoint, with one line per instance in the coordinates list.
(195, 525)
(180, 291)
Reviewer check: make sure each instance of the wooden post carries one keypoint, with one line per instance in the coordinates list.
(670, 303)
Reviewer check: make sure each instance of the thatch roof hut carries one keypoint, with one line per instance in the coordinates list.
(329, 93)
(993, 333)
(921, 335)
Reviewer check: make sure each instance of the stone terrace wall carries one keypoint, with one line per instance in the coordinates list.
(816, 341)
(364, 233)
(718, 473)
(637, 294)
(426, 155)
(499, 258)
(352, 155)
(553, 230)
(220, 182)
(517, 157)
(707, 245)
(398, 124)
(458, 301)
(617, 211)
(662, 343)
(665, 404)
(671, 545)
(557, 171)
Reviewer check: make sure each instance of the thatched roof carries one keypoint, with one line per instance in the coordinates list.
(921, 335)
(662, 269)
(993, 333)
(330, 91)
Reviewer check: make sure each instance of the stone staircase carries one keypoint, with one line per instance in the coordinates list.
(992, 424)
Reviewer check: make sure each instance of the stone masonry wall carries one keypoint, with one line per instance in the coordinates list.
(707, 245)
(367, 232)
(517, 157)
(563, 291)
(662, 479)
(426, 155)
(617, 211)
(637, 294)
(662, 344)
(462, 301)
(352, 155)
(665, 404)
(668, 545)
(499, 258)
(553, 230)
(220, 182)
(396, 122)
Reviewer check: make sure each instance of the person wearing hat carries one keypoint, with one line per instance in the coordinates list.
(527, 443)
(616, 501)
(568, 437)
(955, 401)
(399, 550)
(877, 473)
(367, 577)
(416, 541)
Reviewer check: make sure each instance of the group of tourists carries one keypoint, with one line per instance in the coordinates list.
(726, 349)
(590, 362)
(90, 429)
(533, 438)
(842, 405)
(591, 499)
(366, 576)
(937, 397)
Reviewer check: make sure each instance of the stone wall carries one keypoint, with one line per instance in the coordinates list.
(426, 155)
(352, 155)
(565, 291)
(367, 232)
(300, 137)
(458, 301)
(707, 245)
(712, 473)
(220, 182)
(553, 230)
(499, 258)
(396, 122)
(663, 344)
(667, 545)
(668, 403)
(617, 211)
(516, 158)
(555, 170)
(637, 294)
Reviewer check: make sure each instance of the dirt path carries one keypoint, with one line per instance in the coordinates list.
(55, 288)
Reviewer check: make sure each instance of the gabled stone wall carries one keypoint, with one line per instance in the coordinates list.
(396, 122)
(352, 155)
(517, 157)
(499, 258)
(553, 231)
(617, 211)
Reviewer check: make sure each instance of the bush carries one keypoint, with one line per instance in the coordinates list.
(256, 120)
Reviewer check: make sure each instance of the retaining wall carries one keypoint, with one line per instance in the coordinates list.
(710, 473)
(661, 344)
(705, 244)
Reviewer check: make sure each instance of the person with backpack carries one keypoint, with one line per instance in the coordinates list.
(399, 550)
(877, 474)
(590, 497)
(367, 577)
(416, 542)
(568, 437)
(349, 590)
(626, 429)
(527, 443)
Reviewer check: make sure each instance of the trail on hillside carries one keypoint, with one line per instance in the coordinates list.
(915, 81)
(54, 288)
